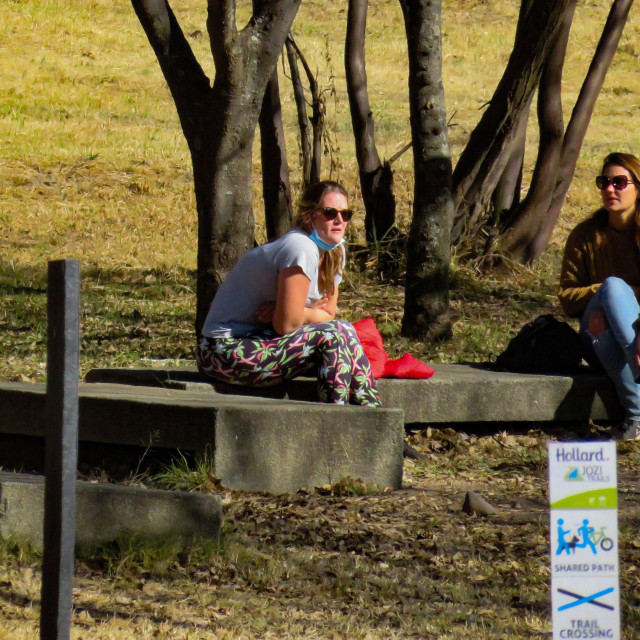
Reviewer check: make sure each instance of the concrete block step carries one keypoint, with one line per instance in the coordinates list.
(457, 393)
(257, 444)
(106, 512)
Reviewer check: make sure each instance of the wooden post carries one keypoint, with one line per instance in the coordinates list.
(61, 457)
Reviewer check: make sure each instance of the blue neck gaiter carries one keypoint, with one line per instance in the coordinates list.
(321, 243)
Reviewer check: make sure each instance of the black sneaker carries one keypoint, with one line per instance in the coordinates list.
(631, 429)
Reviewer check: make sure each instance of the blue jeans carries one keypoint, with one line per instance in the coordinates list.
(615, 347)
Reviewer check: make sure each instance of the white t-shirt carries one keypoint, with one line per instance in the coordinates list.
(254, 281)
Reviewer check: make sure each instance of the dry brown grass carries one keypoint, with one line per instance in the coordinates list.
(94, 164)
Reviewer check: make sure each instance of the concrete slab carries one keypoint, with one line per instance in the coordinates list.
(457, 393)
(258, 444)
(105, 512)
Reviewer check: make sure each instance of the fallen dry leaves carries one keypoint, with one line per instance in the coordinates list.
(334, 564)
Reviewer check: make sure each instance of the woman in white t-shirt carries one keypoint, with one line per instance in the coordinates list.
(274, 315)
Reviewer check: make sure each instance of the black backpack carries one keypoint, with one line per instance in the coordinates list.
(544, 345)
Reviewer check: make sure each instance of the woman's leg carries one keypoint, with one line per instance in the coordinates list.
(344, 372)
(343, 368)
(255, 361)
(615, 346)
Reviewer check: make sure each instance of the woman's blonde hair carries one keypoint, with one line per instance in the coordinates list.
(310, 201)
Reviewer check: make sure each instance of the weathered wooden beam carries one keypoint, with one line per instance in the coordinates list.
(61, 428)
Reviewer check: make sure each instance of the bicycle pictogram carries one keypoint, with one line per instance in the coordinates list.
(585, 536)
(599, 537)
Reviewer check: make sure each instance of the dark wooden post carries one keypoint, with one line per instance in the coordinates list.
(61, 449)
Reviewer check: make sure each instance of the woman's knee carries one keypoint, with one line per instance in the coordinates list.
(615, 289)
(336, 330)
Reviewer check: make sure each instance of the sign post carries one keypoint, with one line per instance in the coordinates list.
(583, 492)
(61, 452)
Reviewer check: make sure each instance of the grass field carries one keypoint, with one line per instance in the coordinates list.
(93, 166)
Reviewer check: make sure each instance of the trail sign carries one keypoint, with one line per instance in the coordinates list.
(583, 494)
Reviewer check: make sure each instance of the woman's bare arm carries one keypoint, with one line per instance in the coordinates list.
(290, 312)
(293, 289)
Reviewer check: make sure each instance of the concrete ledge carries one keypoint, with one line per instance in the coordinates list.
(105, 513)
(258, 444)
(456, 393)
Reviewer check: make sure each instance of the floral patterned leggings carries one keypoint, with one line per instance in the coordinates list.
(344, 373)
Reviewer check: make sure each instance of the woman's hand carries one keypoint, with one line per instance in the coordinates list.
(322, 303)
(323, 310)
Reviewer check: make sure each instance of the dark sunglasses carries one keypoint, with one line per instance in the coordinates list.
(331, 213)
(619, 182)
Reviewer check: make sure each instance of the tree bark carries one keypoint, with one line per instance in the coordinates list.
(526, 219)
(219, 121)
(507, 191)
(276, 189)
(426, 306)
(377, 189)
(485, 156)
(580, 118)
(531, 229)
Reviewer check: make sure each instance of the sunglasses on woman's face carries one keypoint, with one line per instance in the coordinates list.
(331, 213)
(619, 182)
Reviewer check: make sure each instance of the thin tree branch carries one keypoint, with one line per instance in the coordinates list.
(221, 27)
(317, 114)
(189, 85)
(301, 108)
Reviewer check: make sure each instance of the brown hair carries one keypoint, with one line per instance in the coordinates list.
(626, 160)
(311, 199)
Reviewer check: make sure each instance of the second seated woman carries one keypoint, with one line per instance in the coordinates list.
(600, 281)
(274, 315)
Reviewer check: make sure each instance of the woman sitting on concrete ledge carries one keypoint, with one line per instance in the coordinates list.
(600, 281)
(274, 315)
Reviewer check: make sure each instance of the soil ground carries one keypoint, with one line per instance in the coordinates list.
(347, 562)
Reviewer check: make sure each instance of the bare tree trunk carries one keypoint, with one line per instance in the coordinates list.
(580, 118)
(529, 216)
(377, 189)
(275, 170)
(426, 306)
(507, 191)
(219, 121)
(485, 156)
(531, 229)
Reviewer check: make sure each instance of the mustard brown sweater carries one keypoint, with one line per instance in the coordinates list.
(595, 251)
